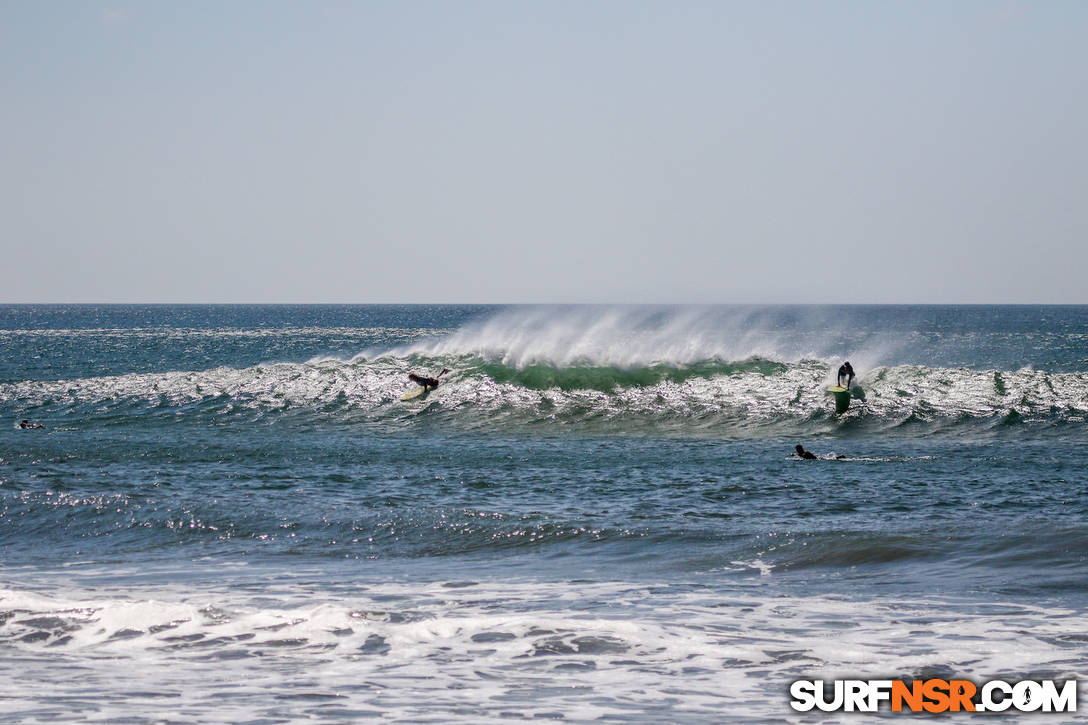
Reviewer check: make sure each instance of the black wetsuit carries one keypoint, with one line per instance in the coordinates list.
(845, 371)
(426, 382)
(805, 455)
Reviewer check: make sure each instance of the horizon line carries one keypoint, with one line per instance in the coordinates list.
(544, 304)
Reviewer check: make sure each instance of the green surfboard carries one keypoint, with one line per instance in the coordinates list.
(842, 398)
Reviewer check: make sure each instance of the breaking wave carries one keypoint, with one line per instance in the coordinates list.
(753, 394)
(743, 371)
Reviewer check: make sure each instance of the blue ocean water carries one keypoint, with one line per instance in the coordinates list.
(229, 515)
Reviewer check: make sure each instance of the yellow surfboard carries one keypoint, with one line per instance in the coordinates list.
(413, 394)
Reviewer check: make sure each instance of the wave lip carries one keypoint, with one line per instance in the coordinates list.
(610, 379)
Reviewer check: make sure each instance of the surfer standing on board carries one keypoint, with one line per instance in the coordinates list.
(846, 373)
(427, 383)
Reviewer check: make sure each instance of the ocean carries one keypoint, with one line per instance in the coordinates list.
(229, 515)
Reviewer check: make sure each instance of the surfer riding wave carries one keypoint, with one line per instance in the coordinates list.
(846, 375)
(427, 383)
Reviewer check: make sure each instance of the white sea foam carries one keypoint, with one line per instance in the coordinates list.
(479, 651)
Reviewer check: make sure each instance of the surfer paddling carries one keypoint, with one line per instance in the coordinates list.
(427, 383)
(810, 456)
(803, 454)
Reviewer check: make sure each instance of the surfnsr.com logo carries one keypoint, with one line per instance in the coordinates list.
(934, 696)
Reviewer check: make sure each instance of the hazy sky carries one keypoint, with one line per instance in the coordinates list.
(531, 151)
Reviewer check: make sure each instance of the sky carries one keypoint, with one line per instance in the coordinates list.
(568, 151)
